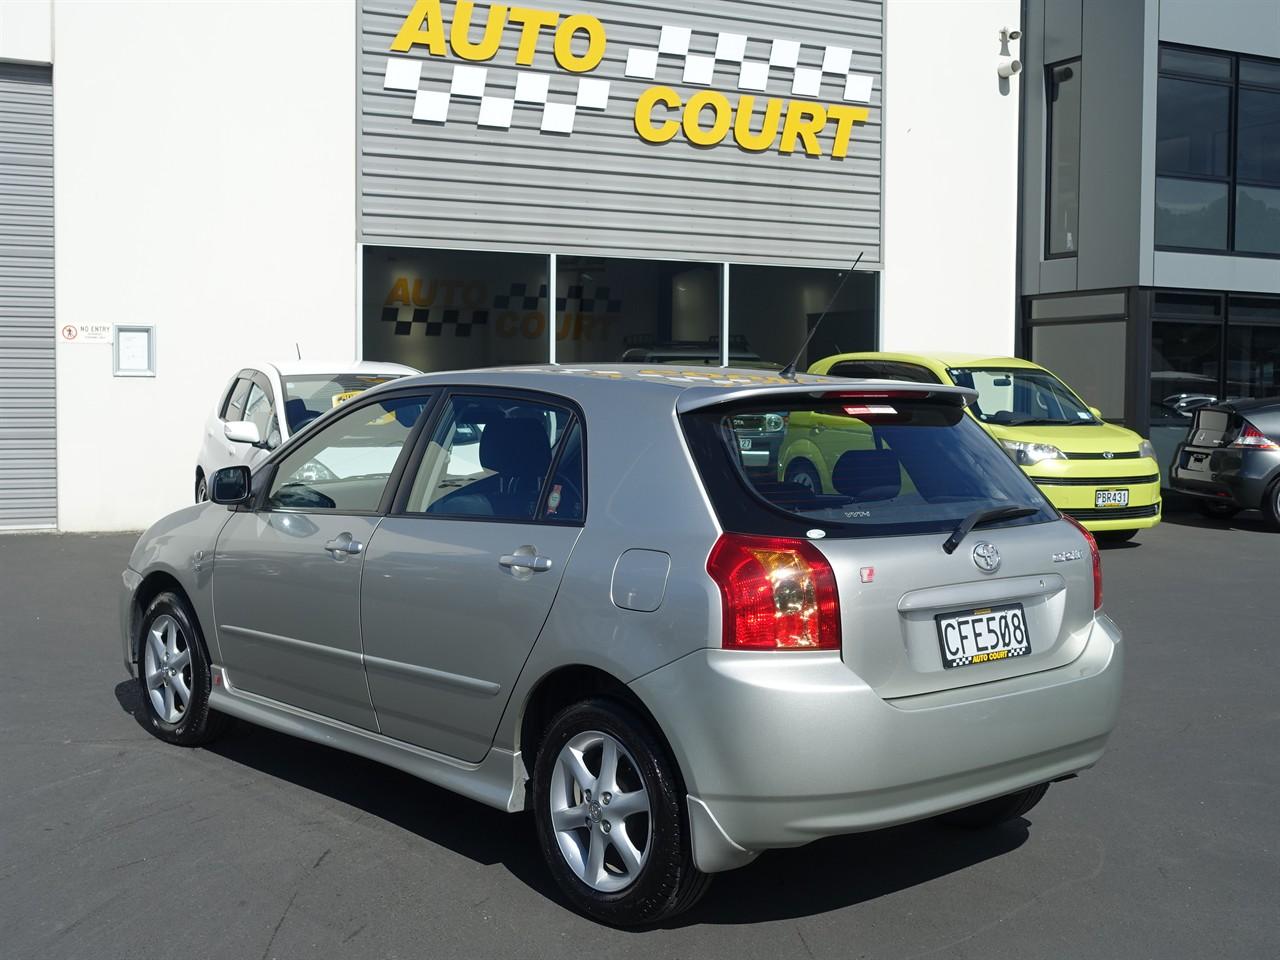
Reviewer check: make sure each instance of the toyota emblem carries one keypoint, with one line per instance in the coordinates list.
(986, 557)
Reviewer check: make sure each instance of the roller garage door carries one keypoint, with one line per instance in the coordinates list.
(28, 456)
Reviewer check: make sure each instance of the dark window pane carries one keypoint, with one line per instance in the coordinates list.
(1088, 356)
(1253, 360)
(1256, 71)
(639, 311)
(1255, 309)
(772, 310)
(1257, 220)
(1198, 64)
(1188, 306)
(1064, 159)
(1258, 136)
(454, 309)
(1185, 361)
(1193, 128)
(1191, 213)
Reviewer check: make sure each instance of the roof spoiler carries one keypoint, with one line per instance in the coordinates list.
(700, 397)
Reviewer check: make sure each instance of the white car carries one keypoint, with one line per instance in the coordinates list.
(265, 404)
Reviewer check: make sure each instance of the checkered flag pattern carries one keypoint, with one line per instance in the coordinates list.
(434, 320)
(753, 75)
(597, 299)
(470, 83)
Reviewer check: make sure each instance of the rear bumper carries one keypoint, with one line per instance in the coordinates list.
(778, 750)
(1237, 477)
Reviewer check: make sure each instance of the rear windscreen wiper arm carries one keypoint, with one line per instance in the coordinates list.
(979, 517)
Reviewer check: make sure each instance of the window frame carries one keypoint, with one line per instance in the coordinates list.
(399, 504)
(1232, 181)
(1048, 158)
(264, 476)
(244, 376)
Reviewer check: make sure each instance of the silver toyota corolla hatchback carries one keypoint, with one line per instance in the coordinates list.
(566, 590)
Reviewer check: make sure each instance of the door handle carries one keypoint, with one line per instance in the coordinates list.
(525, 558)
(344, 545)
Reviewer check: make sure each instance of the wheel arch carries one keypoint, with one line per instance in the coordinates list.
(152, 585)
(571, 684)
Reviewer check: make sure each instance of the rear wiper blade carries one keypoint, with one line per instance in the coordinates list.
(979, 517)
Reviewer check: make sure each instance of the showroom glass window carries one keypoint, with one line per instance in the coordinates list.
(1218, 153)
(1062, 177)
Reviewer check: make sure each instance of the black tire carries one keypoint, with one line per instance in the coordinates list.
(1115, 536)
(803, 472)
(668, 883)
(202, 488)
(991, 813)
(1217, 511)
(197, 724)
(1271, 506)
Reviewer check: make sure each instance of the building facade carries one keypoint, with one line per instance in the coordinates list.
(1150, 252)
(187, 187)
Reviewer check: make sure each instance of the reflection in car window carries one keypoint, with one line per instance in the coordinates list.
(346, 464)
(258, 411)
(564, 495)
(883, 468)
(488, 457)
(306, 397)
(234, 411)
(1014, 397)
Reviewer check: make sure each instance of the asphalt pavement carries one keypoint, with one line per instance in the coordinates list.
(115, 845)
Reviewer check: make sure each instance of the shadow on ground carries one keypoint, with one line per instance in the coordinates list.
(826, 875)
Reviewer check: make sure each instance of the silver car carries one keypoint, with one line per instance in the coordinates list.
(559, 590)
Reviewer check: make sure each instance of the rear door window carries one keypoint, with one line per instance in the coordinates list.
(490, 457)
(852, 468)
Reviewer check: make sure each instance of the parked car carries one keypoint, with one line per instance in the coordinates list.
(1230, 460)
(1101, 474)
(674, 662)
(266, 403)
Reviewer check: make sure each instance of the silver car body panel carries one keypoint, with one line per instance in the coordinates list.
(776, 749)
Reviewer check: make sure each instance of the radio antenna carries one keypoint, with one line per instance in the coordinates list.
(789, 371)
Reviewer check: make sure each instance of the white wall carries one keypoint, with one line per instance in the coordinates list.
(204, 183)
(951, 177)
(26, 30)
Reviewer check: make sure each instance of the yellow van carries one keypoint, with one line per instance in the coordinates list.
(1101, 474)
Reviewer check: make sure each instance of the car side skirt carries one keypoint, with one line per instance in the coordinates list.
(497, 781)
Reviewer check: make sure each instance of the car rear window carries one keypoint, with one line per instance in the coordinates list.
(857, 468)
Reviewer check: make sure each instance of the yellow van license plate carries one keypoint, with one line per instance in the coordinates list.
(1111, 498)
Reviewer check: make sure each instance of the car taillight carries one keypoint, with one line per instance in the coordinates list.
(1095, 556)
(778, 593)
(1254, 439)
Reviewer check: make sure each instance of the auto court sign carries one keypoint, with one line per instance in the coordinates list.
(748, 117)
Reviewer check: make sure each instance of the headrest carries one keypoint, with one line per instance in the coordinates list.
(868, 474)
(515, 448)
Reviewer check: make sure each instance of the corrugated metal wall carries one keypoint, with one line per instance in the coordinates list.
(28, 457)
(602, 189)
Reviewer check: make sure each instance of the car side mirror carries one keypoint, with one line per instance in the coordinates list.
(230, 485)
(1097, 414)
(243, 431)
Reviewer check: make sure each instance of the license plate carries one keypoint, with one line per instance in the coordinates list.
(744, 443)
(983, 635)
(1111, 498)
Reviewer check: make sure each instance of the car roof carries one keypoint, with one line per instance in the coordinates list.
(945, 358)
(690, 387)
(1251, 404)
(302, 368)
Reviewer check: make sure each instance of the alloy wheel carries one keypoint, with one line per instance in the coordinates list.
(166, 664)
(600, 811)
